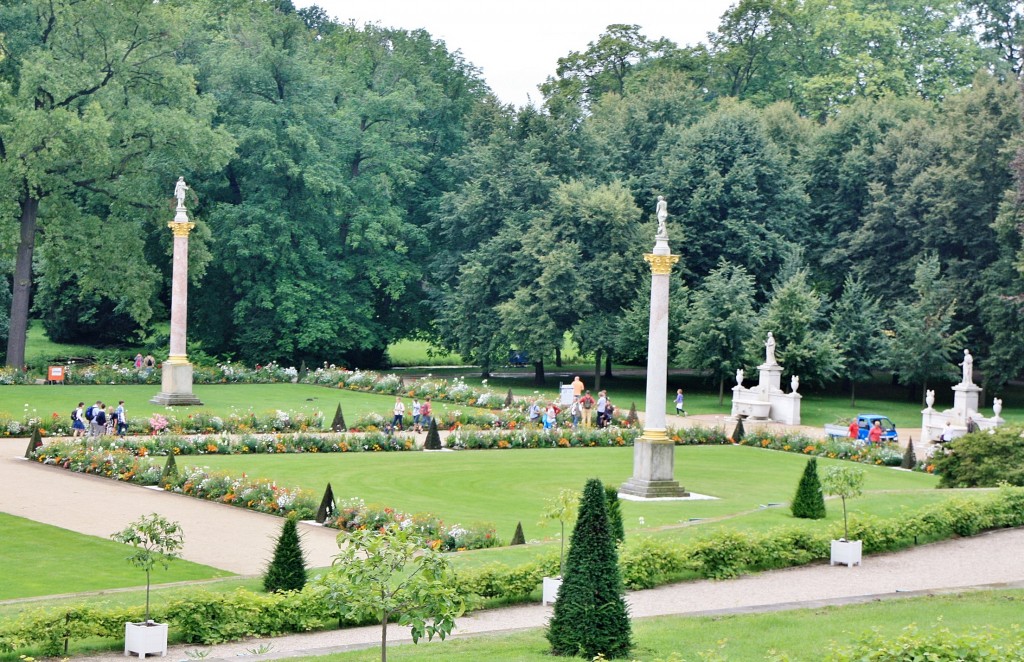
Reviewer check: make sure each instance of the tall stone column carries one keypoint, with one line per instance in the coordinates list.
(176, 384)
(654, 452)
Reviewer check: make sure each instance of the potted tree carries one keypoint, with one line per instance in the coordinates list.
(562, 508)
(156, 541)
(846, 483)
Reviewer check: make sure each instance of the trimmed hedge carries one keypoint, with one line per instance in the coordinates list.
(206, 618)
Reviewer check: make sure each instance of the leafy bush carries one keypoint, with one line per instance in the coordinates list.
(937, 644)
(982, 459)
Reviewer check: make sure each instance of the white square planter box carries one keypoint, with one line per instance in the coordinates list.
(145, 638)
(551, 586)
(846, 551)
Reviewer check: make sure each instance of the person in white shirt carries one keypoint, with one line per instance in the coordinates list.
(399, 414)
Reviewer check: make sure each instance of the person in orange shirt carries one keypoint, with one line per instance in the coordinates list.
(854, 429)
(875, 434)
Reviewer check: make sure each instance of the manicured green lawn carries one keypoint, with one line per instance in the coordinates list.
(510, 486)
(221, 399)
(420, 353)
(805, 634)
(38, 559)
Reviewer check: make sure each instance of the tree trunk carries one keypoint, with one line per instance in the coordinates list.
(597, 372)
(558, 357)
(538, 373)
(608, 364)
(485, 369)
(384, 639)
(853, 393)
(22, 290)
(721, 391)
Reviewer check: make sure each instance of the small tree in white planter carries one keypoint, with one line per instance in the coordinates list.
(846, 483)
(562, 508)
(156, 541)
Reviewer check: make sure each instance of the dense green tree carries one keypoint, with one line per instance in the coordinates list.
(97, 118)
(730, 194)
(924, 344)
(809, 502)
(287, 570)
(795, 314)
(858, 324)
(719, 324)
(590, 616)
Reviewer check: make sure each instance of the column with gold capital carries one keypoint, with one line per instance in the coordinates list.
(176, 378)
(654, 453)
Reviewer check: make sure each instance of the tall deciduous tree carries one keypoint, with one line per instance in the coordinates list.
(719, 325)
(925, 343)
(97, 117)
(857, 326)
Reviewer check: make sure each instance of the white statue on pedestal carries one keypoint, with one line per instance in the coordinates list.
(739, 376)
(179, 192)
(662, 212)
(794, 383)
(769, 350)
(968, 364)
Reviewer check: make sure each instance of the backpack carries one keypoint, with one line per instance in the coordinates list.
(89, 414)
(74, 414)
(588, 402)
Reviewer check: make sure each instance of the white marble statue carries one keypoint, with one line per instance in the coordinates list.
(929, 398)
(997, 406)
(769, 350)
(794, 383)
(662, 211)
(968, 364)
(179, 192)
(739, 376)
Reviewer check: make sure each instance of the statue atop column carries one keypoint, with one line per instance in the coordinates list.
(662, 212)
(179, 192)
(769, 350)
(968, 365)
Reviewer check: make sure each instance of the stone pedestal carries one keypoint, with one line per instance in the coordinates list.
(769, 378)
(965, 400)
(176, 386)
(653, 469)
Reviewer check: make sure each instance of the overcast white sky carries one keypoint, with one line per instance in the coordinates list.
(517, 43)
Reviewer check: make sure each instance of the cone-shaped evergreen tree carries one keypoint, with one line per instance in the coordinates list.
(809, 501)
(35, 442)
(509, 398)
(909, 456)
(614, 513)
(590, 616)
(287, 570)
(327, 506)
(170, 471)
(632, 418)
(518, 538)
(433, 442)
(338, 424)
(738, 432)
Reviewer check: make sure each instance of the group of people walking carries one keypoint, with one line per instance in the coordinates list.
(421, 414)
(581, 409)
(99, 419)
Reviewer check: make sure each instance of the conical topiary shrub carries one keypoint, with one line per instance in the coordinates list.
(738, 432)
(327, 506)
(170, 471)
(518, 538)
(338, 424)
(632, 418)
(909, 456)
(509, 398)
(590, 616)
(615, 513)
(433, 442)
(809, 502)
(35, 442)
(287, 570)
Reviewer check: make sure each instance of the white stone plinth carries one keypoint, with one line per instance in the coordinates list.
(176, 386)
(786, 408)
(965, 401)
(653, 470)
(769, 378)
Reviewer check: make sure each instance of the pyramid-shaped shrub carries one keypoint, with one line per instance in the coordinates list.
(338, 424)
(287, 570)
(590, 616)
(518, 538)
(809, 502)
(433, 442)
(909, 456)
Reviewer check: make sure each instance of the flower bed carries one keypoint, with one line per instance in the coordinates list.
(354, 515)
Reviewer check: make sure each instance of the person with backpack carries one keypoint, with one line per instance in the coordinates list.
(98, 424)
(425, 413)
(78, 421)
(90, 418)
(534, 414)
(602, 404)
(587, 404)
(121, 419)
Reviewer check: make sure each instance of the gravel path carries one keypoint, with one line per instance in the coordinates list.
(240, 541)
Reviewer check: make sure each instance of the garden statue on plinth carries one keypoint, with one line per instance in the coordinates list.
(654, 452)
(964, 414)
(176, 378)
(766, 401)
